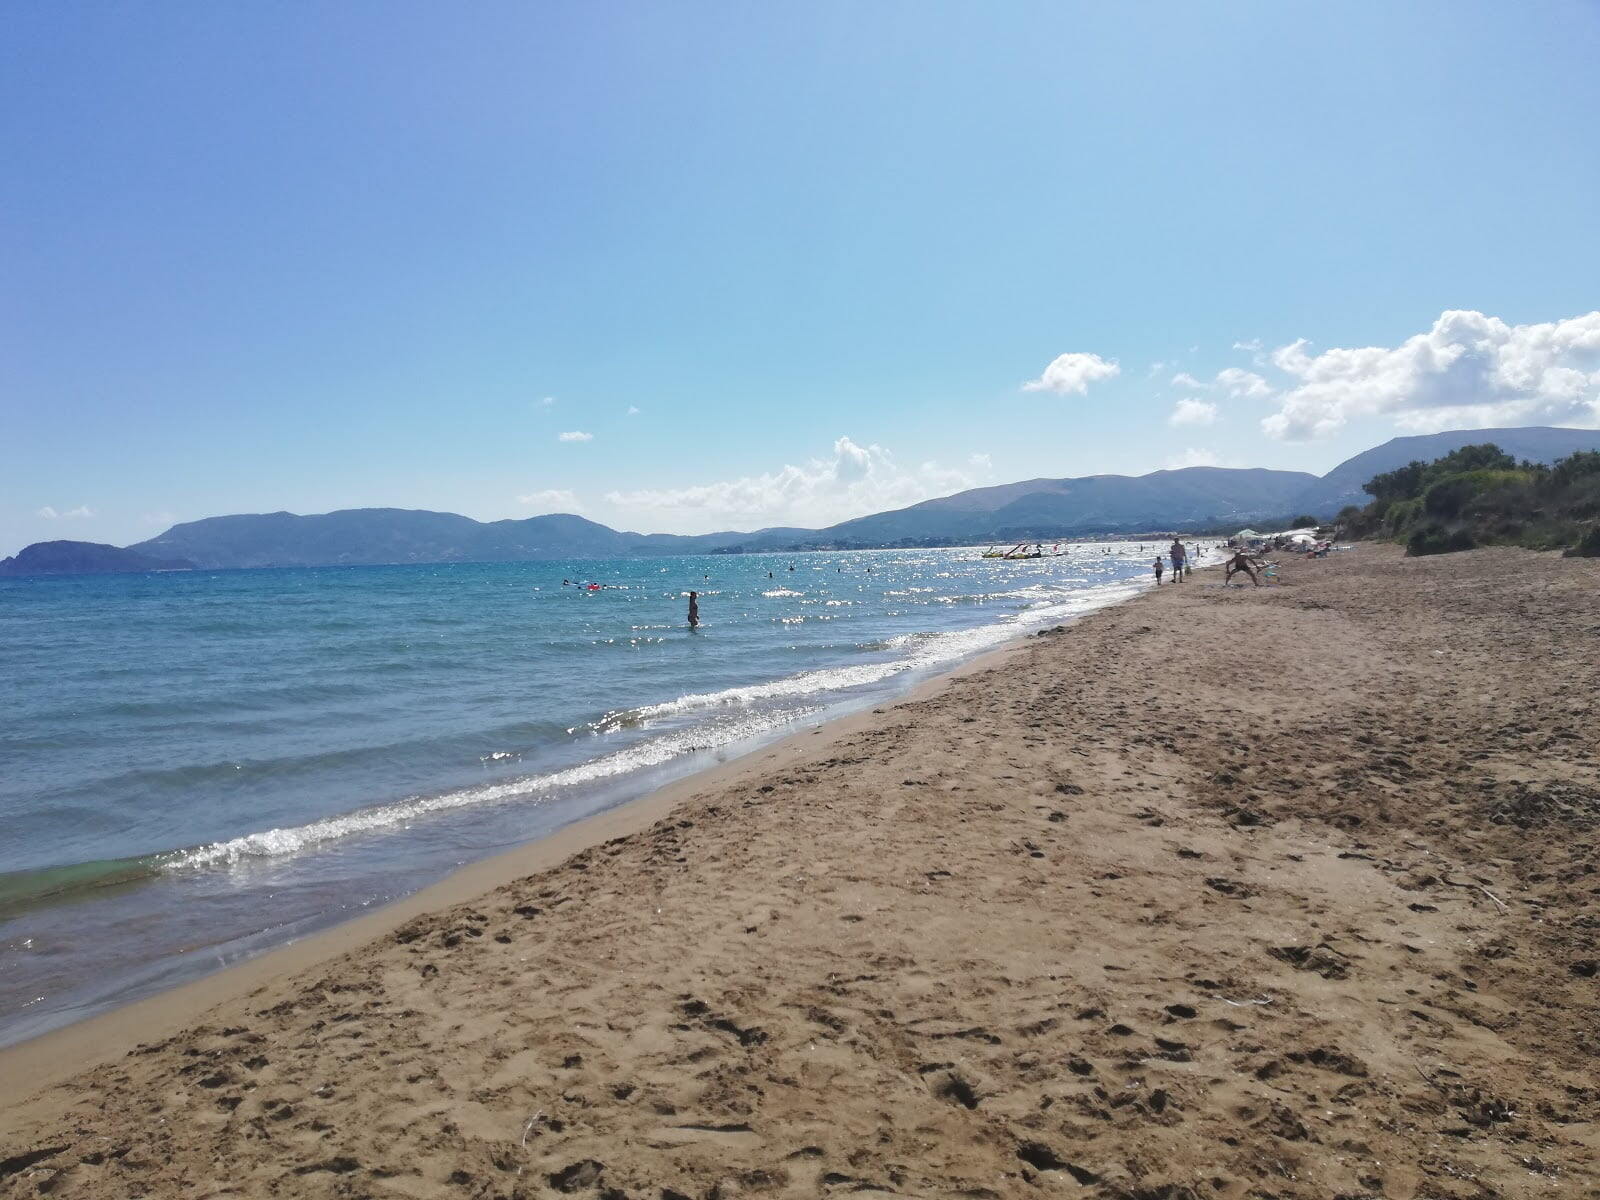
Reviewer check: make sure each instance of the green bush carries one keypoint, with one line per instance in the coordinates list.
(1478, 496)
(1585, 464)
(1399, 515)
(1588, 545)
(1437, 539)
(1447, 496)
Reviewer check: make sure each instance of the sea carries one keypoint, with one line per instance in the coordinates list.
(198, 766)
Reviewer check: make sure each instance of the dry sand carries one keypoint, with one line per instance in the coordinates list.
(1288, 892)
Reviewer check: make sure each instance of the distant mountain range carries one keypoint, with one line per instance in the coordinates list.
(1094, 504)
(1191, 498)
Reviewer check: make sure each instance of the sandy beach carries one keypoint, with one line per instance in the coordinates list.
(1293, 893)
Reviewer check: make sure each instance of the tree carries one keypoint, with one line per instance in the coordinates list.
(1484, 456)
(1403, 483)
(1567, 471)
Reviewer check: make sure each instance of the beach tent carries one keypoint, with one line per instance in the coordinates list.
(1248, 535)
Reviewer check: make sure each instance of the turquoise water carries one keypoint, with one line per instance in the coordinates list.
(196, 766)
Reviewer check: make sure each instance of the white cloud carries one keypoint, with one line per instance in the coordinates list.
(50, 514)
(547, 401)
(1250, 346)
(1073, 373)
(980, 462)
(1193, 412)
(1193, 457)
(1232, 382)
(575, 436)
(1156, 368)
(1241, 384)
(633, 410)
(552, 500)
(853, 481)
(1467, 370)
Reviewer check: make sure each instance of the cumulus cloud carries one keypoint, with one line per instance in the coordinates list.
(633, 410)
(1242, 385)
(575, 436)
(1193, 412)
(852, 481)
(1193, 457)
(1467, 370)
(1232, 382)
(552, 500)
(1072, 374)
(51, 514)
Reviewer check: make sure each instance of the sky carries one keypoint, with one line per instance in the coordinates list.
(694, 266)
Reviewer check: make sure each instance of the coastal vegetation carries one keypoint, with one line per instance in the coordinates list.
(1478, 495)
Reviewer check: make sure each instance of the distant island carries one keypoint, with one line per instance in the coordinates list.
(85, 558)
(1191, 499)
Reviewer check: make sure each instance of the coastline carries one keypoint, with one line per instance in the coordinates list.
(1217, 893)
(37, 1063)
(330, 802)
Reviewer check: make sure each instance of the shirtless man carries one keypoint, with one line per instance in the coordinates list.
(1239, 562)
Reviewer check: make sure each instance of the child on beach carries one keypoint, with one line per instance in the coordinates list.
(1160, 565)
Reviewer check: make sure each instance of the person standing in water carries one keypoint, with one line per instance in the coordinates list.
(1179, 559)
(694, 609)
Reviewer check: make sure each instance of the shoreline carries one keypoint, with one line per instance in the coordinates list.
(651, 780)
(1219, 894)
(56, 1054)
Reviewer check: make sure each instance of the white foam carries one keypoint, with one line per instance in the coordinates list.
(921, 651)
(273, 843)
(927, 650)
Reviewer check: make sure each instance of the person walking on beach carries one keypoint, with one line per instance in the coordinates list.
(694, 609)
(1160, 565)
(1180, 557)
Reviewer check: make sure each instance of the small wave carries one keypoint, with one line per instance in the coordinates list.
(926, 650)
(781, 592)
(274, 843)
(21, 890)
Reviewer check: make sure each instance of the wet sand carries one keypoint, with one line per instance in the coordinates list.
(1278, 892)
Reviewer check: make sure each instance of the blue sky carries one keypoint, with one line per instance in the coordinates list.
(781, 263)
